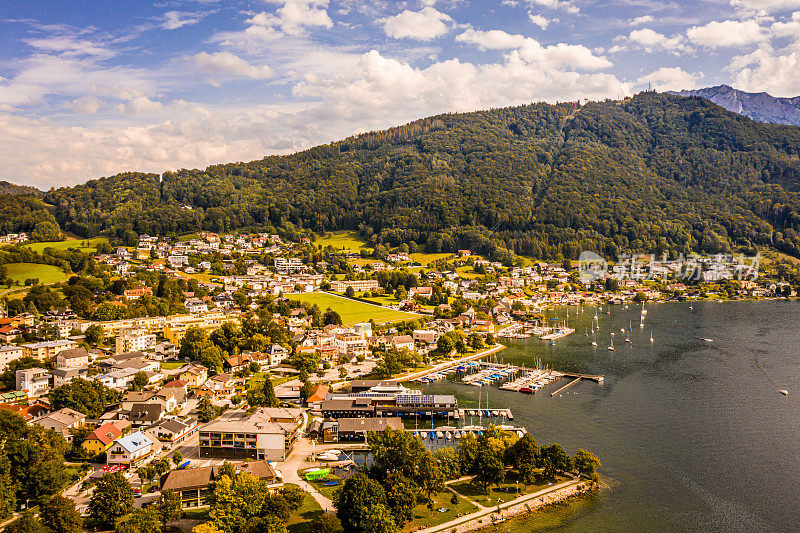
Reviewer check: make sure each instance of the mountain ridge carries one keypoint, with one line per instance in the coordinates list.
(760, 106)
(653, 173)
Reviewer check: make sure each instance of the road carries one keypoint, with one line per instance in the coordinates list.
(297, 461)
(448, 364)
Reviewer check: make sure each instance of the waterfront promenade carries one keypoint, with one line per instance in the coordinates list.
(486, 516)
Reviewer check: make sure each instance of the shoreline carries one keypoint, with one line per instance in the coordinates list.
(487, 517)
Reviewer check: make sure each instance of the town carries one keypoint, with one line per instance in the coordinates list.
(284, 360)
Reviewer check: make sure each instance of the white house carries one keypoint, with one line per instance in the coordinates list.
(9, 353)
(133, 449)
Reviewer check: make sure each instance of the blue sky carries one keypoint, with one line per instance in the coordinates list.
(92, 88)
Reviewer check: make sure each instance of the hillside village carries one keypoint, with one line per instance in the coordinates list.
(252, 368)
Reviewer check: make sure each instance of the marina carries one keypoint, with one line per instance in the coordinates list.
(510, 377)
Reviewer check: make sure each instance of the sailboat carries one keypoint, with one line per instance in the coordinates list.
(651, 336)
(784, 392)
(594, 339)
(611, 348)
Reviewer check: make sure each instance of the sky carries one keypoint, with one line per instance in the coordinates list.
(94, 88)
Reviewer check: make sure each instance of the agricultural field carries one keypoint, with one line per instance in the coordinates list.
(352, 311)
(39, 247)
(45, 273)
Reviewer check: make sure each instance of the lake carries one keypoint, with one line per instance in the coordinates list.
(692, 435)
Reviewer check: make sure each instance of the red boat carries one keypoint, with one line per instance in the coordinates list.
(526, 390)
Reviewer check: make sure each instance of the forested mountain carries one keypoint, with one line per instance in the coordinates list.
(12, 188)
(762, 107)
(29, 215)
(651, 173)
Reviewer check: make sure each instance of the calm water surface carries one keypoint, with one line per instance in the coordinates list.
(692, 435)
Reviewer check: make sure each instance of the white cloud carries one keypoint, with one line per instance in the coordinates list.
(381, 87)
(529, 50)
(85, 104)
(652, 41)
(766, 69)
(228, 63)
(294, 15)
(555, 4)
(790, 28)
(70, 46)
(539, 20)
(423, 25)
(765, 6)
(44, 75)
(644, 19)
(670, 78)
(727, 33)
(178, 19)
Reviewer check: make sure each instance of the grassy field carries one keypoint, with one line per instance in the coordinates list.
(302, 519)
(348, 241)
(352, 311)
(505, 492)
(327, 491)
(425, 259)
(172, 365)
(424, 517)
(39, 247)
(45, 273)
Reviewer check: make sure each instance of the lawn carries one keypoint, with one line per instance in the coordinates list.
(301, 521)
(327, 491)
(347, 241)
(424, 517)
(39, 247)
(504, 492)
(172, 365)
(352, 311)
(426, 259)
(383, 300)
(46, 274)
(467, 272)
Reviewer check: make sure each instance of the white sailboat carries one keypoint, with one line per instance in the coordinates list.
(611, 348)
(651, 336)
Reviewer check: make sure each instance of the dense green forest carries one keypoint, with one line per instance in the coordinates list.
(29, 215)
(652, 173)
(11, 188)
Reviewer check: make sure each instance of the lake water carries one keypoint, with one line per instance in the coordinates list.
(692, 435)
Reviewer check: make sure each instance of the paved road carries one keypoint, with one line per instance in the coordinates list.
(448, 364)
(297, 461)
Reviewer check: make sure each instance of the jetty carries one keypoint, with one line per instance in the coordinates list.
(577, 378)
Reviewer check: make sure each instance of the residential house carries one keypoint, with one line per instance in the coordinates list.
(135, 341)
(72, 358)
(61, 421)
(350, 344)
(145, 414)
(9, 353)
(62, 376)
(173, 431)
(101, 439)
(132, 450)
(49, 349)
(34, 380)
(219, 387)
(401, 342)
(194, 376)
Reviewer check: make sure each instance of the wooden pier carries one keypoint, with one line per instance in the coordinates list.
(577, 378)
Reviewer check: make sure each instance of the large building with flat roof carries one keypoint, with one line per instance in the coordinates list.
(266, 434)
